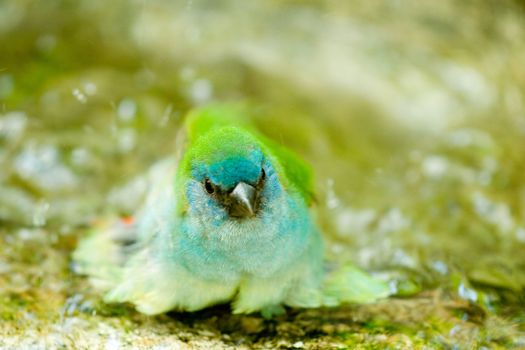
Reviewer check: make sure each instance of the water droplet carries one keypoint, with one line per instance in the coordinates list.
(434, 166)
(79, 95)
(4, 267)
(440, 267)
(520, 234)
(201, 91)
(40, 214)
(454, 330)
(298, 345)
(12, 125)
(496, 213)
(42, 167)
(113, 343)
(467, 293)
(126, 140)
(166, 115)
(393, 221)
(126, 110)
(80, 157)
(332, 201)
(401, 258)
(354, 220)
(90, 88)
(392, 286)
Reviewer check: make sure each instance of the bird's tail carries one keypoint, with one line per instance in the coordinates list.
(103, 252)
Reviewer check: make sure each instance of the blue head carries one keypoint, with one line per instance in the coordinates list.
(230, 177)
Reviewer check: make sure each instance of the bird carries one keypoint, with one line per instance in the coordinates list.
(227, 219)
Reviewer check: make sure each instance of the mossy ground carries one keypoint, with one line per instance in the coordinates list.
(412, 116)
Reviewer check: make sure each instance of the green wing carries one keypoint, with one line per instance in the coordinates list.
(297, 171)
(350, 285)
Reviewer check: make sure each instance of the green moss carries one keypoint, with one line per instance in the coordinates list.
(435, 210)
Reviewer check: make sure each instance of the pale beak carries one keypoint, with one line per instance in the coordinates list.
(243, 200)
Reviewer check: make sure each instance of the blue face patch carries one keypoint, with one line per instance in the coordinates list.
(230, 171)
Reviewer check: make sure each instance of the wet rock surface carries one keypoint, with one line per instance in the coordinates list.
(411, 115)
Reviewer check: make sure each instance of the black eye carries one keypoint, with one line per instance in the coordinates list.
(263, 174)
(208, 186)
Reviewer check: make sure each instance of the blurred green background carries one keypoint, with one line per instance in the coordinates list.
(412, 114)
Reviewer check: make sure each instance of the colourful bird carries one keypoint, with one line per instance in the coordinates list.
(227, 221)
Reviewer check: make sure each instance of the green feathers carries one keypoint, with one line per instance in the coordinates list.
(202, 120)
(349, 284)
(230, 126)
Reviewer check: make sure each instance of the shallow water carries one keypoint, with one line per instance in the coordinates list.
(412, 115)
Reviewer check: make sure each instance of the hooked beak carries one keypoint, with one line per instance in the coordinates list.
(243, 201)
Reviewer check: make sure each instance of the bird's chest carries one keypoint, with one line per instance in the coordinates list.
(232, 251)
